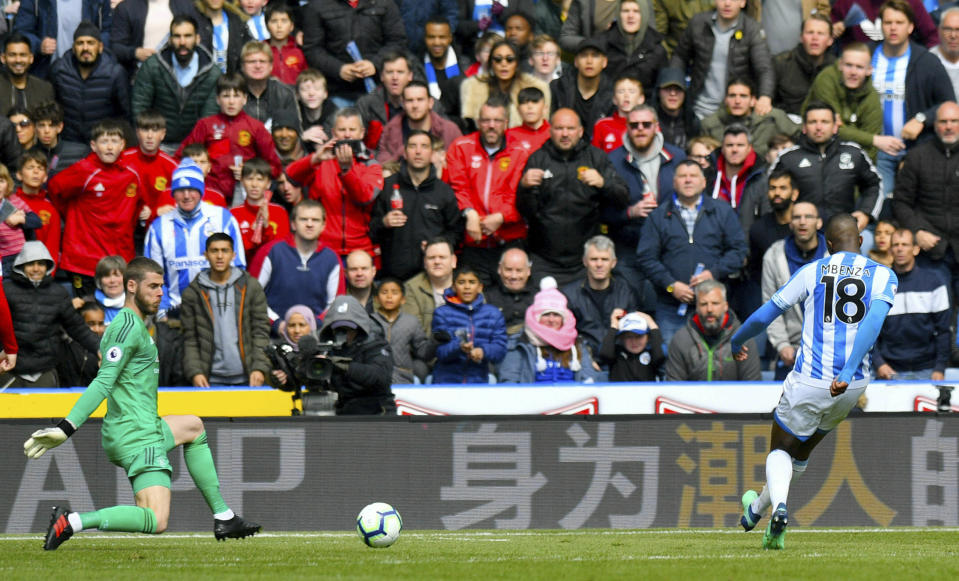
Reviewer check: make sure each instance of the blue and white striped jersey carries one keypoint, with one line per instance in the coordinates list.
(179, 247)
(836, 291)
(889, 80)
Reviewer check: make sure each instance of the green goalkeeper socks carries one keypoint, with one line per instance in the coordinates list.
(128, 519)
(199, 461)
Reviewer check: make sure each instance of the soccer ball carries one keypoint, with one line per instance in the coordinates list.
(379, 525)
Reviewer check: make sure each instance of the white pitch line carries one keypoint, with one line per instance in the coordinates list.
(438, 534)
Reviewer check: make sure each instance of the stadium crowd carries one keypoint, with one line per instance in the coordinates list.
(514, 191)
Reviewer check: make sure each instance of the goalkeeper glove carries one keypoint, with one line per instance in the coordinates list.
(47, 438)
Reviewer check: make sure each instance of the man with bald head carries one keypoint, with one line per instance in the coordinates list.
(359, 277)
(845, 298)
(926, 198)
(512, 292)
(565, 186)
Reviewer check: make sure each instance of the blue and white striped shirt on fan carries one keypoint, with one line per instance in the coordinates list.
(836, 291)
(179, 246)
(889, 79)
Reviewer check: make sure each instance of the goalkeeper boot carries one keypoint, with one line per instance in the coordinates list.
(235, 528)
(775, 537)
(749, 519)
(60, 529)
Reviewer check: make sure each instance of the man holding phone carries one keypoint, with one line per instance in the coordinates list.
(343, 176)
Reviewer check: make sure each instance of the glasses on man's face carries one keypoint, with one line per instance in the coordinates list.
(638, 124)
(500, 58)
(542, 53)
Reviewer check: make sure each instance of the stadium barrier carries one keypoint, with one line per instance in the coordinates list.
(513, 472)
(501, 399)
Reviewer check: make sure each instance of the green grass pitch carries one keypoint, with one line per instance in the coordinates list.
(905, 553)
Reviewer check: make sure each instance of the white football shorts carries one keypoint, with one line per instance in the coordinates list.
(804, 409)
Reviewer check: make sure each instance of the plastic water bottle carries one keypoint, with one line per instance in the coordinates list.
(681, 311)
(396, 198)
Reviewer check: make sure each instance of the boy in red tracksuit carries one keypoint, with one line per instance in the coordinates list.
(153, 166)
(32, 175)
(345, 181)
(608, 132)
(101, 200)
(288, 58)
(231, 136)
(534, 131)
(260, 221)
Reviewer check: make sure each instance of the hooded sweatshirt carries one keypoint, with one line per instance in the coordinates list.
(38, 309)
(227, 364)
(364, 387)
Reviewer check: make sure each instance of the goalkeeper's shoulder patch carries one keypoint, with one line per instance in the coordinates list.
(114, 354)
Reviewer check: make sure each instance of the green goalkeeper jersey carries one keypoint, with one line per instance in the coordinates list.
(129, 372)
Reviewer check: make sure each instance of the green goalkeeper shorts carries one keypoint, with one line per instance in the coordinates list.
(151, 466)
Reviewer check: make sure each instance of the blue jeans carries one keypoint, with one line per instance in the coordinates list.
(887, 166)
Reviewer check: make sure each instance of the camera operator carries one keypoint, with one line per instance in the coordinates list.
(351, 359)
(362, 360)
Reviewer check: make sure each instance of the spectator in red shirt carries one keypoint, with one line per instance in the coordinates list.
(260, 221)
(101, 200)
(288, 58)
(484, 171)
(154, 166)
(534, 131)
(32, 175)
(231, 136)
(344, 178)
(608, 132)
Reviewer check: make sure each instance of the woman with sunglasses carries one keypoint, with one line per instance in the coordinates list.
(23, 124)
(503, 77)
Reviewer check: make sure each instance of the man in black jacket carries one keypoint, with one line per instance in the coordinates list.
(796, 68)
(828, 172)
(90, 84)
(511, 292)
(926, 194)
(362, 360)
(589, 92)
(157, 85)
(595, 300)
(726, 31)
(413, 207)
(563, 189)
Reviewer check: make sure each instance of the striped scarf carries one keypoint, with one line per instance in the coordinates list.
(451, 67)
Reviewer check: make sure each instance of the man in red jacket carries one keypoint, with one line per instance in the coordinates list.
(484, 171)
(342, 175)
(231, 136)
(100, 200)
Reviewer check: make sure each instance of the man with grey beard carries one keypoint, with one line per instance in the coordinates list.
(701, 350)
(926, 195)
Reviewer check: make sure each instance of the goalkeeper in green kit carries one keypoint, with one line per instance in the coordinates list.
(134, 436)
